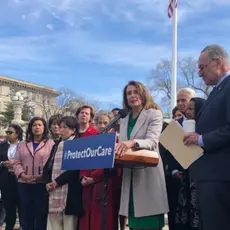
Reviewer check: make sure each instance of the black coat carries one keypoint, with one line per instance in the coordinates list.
(8, 181)
(213, 123)
(74, 204)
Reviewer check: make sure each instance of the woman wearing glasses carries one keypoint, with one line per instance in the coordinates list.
(8, 181)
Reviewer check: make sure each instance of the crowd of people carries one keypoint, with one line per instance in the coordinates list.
(35, 189)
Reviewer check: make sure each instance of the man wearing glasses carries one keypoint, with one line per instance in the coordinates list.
(212, 171)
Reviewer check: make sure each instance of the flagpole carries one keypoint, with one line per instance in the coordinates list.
(174, 59)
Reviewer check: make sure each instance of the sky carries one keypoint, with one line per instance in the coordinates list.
(94, 47)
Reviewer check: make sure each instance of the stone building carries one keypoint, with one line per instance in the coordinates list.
(40, 98)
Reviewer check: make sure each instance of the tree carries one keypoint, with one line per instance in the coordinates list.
(27, 112)
(160, 82)
(66, 104)
(7, 116)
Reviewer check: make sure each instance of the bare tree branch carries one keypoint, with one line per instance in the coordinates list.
(66, 104)
(160, 81)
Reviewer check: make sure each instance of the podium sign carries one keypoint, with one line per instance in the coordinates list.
(89, 152)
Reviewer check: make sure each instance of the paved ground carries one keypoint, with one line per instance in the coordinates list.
(165, 228)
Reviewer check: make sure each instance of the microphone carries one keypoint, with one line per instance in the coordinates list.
(121, 114)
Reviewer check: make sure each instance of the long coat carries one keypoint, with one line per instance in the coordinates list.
(113, 199)
(149, 188)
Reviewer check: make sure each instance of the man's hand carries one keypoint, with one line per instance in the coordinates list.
(191, 139)
(178, 175)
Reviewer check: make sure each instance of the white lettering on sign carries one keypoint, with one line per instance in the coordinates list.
(86, 153)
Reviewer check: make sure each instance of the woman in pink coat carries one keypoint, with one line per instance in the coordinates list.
(30, 158)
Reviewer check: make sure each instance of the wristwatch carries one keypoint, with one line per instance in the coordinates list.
(136, 145)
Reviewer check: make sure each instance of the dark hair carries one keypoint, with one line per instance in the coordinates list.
(92, 114)
(54, 119)
(18, 130)
(199, 102)
(114, 109)
(72, 123)
(175, 109)
(147, 99)
(29, 133)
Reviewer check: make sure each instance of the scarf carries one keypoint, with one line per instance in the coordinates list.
(58, 197)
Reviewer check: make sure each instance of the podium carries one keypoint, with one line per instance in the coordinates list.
(96, 152)
(138, 158)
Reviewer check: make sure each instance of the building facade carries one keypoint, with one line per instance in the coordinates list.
(41, 99)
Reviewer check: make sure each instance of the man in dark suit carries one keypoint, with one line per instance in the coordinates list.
(212, 170)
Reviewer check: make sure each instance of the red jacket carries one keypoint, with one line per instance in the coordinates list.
(84, 221)
(92, 200)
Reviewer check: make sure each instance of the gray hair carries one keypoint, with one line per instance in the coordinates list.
(104, 113)
(190, 92)
(216, 52)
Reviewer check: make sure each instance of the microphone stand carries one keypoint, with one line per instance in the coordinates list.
(122, 113)
(105, 192)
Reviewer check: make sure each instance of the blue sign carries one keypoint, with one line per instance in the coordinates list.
(89, 153)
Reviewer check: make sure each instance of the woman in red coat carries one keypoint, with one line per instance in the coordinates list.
(85, 115)
(113, 192)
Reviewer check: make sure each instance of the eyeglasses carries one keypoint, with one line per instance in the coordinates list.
(9, 132)
(202, 67)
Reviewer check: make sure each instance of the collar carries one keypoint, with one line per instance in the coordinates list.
(223, 78)
(12, 144)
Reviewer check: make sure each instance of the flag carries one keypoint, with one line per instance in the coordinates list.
(172, 3)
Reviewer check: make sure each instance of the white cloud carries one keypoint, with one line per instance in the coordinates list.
(82, 45)
(50, 26)
(141, 14)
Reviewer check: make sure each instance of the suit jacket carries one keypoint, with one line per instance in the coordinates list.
(29, 161)
(149, 189)
(214, 125)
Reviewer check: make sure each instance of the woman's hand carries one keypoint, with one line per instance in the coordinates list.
(51, 186)
(122, 147)
(27, 178)
(37, 178)
(8, 164)
(87, 181)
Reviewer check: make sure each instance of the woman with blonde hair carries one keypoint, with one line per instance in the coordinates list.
(143, 192)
